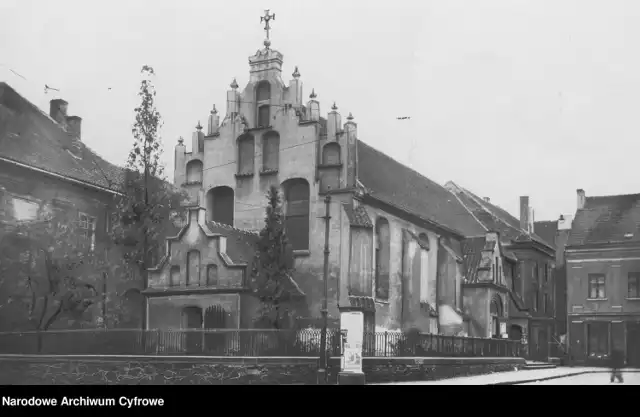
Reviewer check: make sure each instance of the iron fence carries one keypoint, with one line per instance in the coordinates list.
(247, 342)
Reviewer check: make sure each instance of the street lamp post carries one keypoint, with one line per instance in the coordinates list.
(322, 369)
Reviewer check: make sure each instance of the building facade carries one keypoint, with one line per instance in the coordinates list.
(603, 279)
(516, 281)
(395, 251)
(44, 163)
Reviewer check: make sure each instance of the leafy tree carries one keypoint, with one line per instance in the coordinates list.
(49, 271)
(273, 266)
(143, 217)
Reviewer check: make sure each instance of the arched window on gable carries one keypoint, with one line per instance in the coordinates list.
(193, 268)
(194, 172)
(246, 154)
(383, 257)
(270, 151)
(297, 222)
(496, 311)
(221, 205)
(330, 168)
(423, 241)
(263, 102)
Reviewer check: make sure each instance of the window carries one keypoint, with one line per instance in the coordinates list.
(263, 116)
(536, 299)
(424, 267)
(546, 273)
(194, 172)
(598, 339)
(174, 276)
(221, 205)
(596, 287)
(263, 97)
(296, 192)
(24, 210)
(87, 226)
(383, 254)
(633, 285)
(330, 173)
(270, 151)
(193, 267)
(246, 154)
(545, 303)
(212, 274)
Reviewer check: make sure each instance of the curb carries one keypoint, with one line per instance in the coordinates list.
(558, 377)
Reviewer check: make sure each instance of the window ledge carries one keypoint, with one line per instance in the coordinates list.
(300, 253)
(266, 172)
(326, 166)
(244, 175)
(633, 299)
(597, 299)
(192, 183)
(381, 301)
(253, 129)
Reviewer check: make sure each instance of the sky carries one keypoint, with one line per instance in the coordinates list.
(505, 97)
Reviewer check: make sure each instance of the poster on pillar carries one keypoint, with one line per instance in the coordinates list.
(352, 325)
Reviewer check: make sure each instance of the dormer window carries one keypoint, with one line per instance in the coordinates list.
(263, 103)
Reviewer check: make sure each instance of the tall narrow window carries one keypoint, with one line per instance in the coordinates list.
(212, 274)
(633, 285)
(297, 222)
(193, 267)
(194, 172)
(87, 225)
(330, 172)
(270, 151)
(597, 288)
(424, 267)
(174, 278)
(263, 98)
(383, 252)
(246, 154)
(221, 205)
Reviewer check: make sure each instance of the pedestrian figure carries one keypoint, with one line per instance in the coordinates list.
(617, 362)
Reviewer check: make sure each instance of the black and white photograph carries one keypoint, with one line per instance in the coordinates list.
(435, 192)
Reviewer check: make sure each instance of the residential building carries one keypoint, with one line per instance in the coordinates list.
(603, 278)
(516, 278)
(44, 162)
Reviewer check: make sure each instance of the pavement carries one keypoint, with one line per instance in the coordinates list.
(555, 376)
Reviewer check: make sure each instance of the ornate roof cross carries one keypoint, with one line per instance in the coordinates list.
(266, 19)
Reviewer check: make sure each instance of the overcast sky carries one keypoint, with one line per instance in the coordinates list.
(506, 97)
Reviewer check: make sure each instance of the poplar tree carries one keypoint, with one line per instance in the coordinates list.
(273, 265)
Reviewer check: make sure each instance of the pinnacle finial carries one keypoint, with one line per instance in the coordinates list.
(313, 94)
(180, 140)
(199, 127)
(350, 117)
(296, 73)
(334, 107)
(214, 111)
(234, 84)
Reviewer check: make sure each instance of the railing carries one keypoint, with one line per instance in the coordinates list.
(396, 344)
(247, 342)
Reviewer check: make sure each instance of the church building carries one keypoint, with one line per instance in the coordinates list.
(396, 249)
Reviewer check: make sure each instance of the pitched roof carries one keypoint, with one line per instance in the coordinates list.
(547, 230)
(29, 136)
(492, 217)
(240, 243)
(398, 185)
(607, 219)
(358, 216)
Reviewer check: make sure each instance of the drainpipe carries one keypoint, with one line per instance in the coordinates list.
(438, 285)
(402, 282)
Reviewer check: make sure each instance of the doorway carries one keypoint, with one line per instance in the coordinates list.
(215, 318)
(192, 323)
(633, 344)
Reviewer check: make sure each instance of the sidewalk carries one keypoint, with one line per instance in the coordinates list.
(508, 378)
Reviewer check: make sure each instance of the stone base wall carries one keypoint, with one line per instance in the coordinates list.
(140, 370)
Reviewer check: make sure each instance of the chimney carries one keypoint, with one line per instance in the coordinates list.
(581, 198)
(74, 125)
(58, 111)
(487, 199)
(524, 213)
